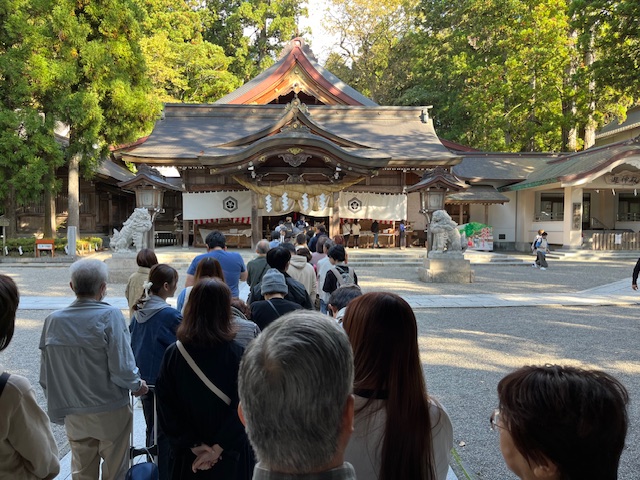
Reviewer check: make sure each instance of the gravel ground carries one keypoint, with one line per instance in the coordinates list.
(465, 351)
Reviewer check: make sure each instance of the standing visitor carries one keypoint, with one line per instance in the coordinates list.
(295, 385)
(258, 266)
(375, 229)
(634, 276)
(541, 248)
(346, 232)
(197, 391)
(153, 329)
(146, 258)
(561, 423)
(355, 231)
(338, 274)
(207, 268)
(321, 231)
(301, 270)
(273, 289)
(231, 262)
(400, 431)
(323, 266)
(279, 259)
(86, 373)
(534, 246)
(27, 447)
(402, 234)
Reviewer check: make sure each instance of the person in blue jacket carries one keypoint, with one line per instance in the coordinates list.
(153, 329)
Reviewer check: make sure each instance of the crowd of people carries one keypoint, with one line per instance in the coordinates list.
(310, 378)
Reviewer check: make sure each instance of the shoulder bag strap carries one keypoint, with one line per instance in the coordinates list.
(337, 274)
(219, 393)
(274, 307)
(4, 378)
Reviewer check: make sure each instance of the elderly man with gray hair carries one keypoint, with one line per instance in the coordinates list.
(295, 383)
(86, 373)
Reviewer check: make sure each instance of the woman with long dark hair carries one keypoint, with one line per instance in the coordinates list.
(198, 391)
(400, 432)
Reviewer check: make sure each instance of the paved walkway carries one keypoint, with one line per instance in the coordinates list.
(617, 293)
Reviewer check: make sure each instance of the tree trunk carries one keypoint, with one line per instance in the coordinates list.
(73, 219)
(590, 126)
(569, 109)
(50, 205)
(10, 213)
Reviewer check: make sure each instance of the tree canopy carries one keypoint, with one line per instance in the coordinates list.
(506, 75)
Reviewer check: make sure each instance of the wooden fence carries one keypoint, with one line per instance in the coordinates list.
(608, 241)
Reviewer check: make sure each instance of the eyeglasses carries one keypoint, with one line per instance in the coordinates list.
(494, 419)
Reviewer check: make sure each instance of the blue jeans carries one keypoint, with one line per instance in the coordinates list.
(375, 240)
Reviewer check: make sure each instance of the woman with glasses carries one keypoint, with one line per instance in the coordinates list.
(561, 423)
(400, 432)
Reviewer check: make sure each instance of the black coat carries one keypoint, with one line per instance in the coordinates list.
(190, 414)
(297, 293)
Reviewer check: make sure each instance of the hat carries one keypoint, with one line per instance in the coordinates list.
(273, 282)
(544, 234)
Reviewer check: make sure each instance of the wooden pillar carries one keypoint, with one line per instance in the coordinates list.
(461, 214)
(334, 225)
(486, 214)
(110, 213)
(185, 233)
(256, 227)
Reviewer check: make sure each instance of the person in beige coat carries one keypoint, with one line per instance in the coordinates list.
(301, 270)
(145, 259)
(27, 447)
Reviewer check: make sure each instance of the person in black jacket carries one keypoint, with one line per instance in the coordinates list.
(634, 279)
(279, 258)
(273, 288)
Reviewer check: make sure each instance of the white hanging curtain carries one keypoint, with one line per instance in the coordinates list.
(198, 206)
(373, 205)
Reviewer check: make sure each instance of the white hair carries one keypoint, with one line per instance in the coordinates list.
(88, 276)
(294, 382)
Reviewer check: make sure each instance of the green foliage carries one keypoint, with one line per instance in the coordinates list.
(507, 75)
(101, 89)
(182, 65)
(252, 32)
(373, 54)
(28, 244)
(27, 147)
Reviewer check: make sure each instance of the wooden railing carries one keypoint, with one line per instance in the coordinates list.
(607, 241)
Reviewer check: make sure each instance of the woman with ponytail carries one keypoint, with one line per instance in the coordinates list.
(153, 329)
(400, 432)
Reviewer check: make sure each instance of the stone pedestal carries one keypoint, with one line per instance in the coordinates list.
(446, 268)
(121, 266)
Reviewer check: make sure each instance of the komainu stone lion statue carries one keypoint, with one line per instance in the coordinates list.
(446, 236)
(132, 231)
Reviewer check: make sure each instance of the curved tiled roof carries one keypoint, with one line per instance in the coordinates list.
(581, 167)
(297, 52)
